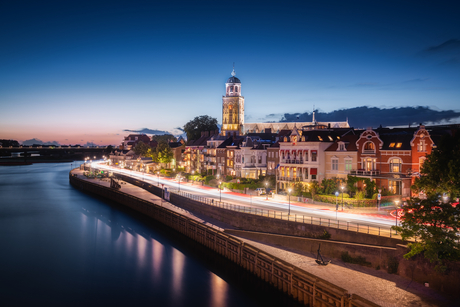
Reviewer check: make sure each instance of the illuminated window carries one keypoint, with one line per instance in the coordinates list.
(395, 165)
(422, 146)
(369, 146)
(347, 165)
(330, 139)
(398, 145)
(392, 145)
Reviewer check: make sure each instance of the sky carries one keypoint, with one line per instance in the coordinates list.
(78, 72)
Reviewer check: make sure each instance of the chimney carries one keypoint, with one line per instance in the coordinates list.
(268, 130)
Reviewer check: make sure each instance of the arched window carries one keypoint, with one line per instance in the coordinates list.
(369, 147)
(395, 165)
(236, 89)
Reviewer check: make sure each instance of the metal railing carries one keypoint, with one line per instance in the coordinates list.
(306, 219)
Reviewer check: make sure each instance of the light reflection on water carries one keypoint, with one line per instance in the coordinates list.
(64, 247)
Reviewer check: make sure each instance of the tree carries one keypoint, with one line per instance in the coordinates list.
(163, 153)
(439, 172)
(164, 137)
(142, 149)
(435, 225)
(200, 123)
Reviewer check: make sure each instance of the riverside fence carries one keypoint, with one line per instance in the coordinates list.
(277, 214)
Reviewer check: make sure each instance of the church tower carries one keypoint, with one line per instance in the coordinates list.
(232, 107)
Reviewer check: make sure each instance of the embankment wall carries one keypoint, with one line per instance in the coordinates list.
(266, 224)
(375, 256)
(301, 285)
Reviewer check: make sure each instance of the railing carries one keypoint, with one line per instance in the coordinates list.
(327, 222)
(295, 179)
(364, 172)
(293, 161)
(306, 219)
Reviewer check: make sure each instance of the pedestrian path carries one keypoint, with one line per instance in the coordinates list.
(375, 285)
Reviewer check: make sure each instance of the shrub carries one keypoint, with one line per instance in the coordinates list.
(207, 179)
(228, 178)
(359, 195)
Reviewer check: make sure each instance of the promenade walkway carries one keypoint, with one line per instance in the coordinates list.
(375, 285)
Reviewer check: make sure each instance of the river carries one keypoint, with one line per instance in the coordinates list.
(62, 247)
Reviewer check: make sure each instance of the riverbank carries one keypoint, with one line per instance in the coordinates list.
(374, 285)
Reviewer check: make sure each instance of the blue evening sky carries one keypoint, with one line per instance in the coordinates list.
(78, 71)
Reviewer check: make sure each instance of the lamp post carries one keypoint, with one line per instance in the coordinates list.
(289, 210)
(220, 191)
(336, 205)
(379, 197)
(342, 187)
(396, 213)
(266, 190)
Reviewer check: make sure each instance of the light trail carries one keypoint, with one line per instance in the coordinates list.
(249, 201)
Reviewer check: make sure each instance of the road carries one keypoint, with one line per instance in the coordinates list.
(296, 209)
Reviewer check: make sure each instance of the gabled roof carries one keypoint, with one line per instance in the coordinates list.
(348, 140)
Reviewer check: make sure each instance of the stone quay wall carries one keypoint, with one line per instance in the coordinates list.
(252, 222)
(375, 256)
(418, 269)
(295, 282)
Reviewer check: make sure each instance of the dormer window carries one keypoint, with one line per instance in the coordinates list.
(341, 147)
(392, 145)
(398, 145)
(369, 147)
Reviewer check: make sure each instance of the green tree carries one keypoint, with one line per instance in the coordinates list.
(163, 153)
(441, 169)
(200, 123)
(435, 225)
(142, 149)
(165, 137)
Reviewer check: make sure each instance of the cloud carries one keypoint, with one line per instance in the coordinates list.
(452, 45)
(149, 131)
(35, 141)
(274, 117)
(447, 53)
(362, 117)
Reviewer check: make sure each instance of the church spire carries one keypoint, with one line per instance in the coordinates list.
(233, 71)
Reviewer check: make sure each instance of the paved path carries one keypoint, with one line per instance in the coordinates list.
(377, 286)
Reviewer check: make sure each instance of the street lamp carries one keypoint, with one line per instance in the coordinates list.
(289, 210)
(379, 197)
(336, 205)
(266, 190)
(342, 187)
(220, 191)
(396, 213)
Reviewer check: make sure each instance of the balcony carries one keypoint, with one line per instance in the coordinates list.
(291, 179)
(292, 161)
(362, 172)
